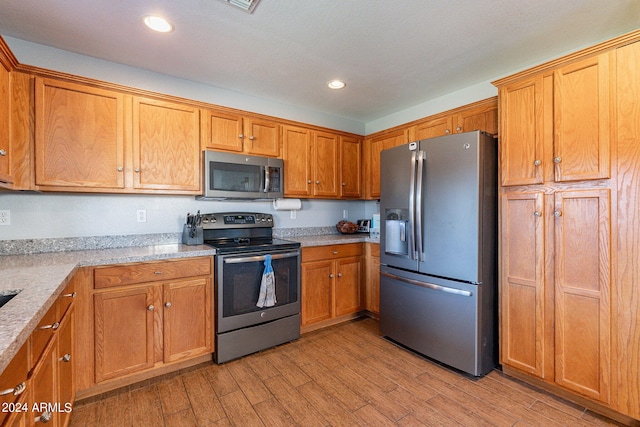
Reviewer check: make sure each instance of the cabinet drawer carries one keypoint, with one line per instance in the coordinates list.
(317, 253)
(13, 376)
(106, 277)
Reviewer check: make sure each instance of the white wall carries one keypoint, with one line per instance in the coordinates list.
(38, 216)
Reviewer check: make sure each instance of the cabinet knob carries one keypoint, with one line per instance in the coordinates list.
(447, 131)
(339, 274)
(151, 307)
(252, 137)
(16, 391)
(44, 418)
(3, 152)
(344, 184)
(459, 129)
(537, 214)
(309, 181)
(241, 136)
(537, 163)
(317, 182)
(120, 169)
(331, 276)
(557, 214)
(557, 159)
(66, 358)
(53, 326)
(137, 170)
(167, 304)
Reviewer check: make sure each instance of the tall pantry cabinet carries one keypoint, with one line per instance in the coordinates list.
(569, 257)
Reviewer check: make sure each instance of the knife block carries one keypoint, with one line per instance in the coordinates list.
(197, 239)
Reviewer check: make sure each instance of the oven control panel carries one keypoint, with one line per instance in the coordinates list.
(236, 220)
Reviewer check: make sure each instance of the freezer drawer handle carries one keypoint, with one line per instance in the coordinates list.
(427, 285)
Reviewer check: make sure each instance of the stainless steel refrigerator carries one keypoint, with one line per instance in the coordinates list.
(438, 249)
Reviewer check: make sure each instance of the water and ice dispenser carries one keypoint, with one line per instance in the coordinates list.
(396, 231)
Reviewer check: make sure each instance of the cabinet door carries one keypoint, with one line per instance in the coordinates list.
(325, 165)
(376, 145)
(221, 131)
(261, 137)
(582, 120)
(297, 155)
(317, 296)
(521, 132)
(582, 297)
(79, 136)
(187, 318)
(435, 127)
(350, 167)
(65, 366)
(373, 284)
(484, 119)
(166, 146)
(347, 285)
(522, 282)
(123, 328)
(5, 115)
(43, 388)
(13, 379)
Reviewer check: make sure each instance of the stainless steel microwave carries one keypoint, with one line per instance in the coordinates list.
(237, 176)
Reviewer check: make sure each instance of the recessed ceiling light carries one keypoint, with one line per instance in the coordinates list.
(157, 23)
(336, 84)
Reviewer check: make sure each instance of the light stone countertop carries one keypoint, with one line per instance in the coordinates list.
(333, 239)
(42, 277)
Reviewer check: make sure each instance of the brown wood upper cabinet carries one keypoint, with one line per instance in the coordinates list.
(555, 126)
(5, 115)
(311, 162)
(82, 142)
(374, 147)
(79, 136)
(350, 167)
(166, 141)
(482, 117)
(233, 132)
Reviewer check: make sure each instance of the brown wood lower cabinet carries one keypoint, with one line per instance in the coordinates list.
(144, 319)
(331, 283)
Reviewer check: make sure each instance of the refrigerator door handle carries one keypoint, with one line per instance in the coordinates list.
(412, 206)
(427, 285)
(418, 206)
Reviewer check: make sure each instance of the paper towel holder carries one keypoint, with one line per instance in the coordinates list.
(287, 204)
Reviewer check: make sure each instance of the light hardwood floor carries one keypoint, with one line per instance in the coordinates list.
(346, 375)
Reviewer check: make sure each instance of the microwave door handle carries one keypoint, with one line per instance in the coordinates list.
(267, 179)
(420, 175)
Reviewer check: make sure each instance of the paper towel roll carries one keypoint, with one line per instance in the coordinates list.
(287, 204)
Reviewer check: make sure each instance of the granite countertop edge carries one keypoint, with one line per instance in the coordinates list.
(42, 277)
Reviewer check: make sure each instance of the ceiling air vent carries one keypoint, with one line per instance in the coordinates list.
(246, 5)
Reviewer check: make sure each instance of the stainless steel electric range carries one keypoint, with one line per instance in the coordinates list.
(242, 241)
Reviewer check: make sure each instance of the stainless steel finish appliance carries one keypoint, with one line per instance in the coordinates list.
(242, 241)
(237, 176)
(438, 252)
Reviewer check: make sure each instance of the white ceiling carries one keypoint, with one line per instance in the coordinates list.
(393, 54)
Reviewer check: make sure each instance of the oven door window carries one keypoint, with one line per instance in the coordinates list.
(236, 177)
(241, 283)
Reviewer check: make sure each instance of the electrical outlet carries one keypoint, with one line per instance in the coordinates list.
(345, 213)
(292, 214)
(141, 215)
(5, 217)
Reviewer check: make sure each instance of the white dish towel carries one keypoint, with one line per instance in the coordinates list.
(267, 296)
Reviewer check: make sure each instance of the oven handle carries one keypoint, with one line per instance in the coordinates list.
(260, 258)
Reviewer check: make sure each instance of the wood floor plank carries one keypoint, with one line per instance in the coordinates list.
(330, 408)
(325, 379)
(273, 414)
(145, 407)
(203, 400)
(370, 416)
(221, 379)
(184, 418)
(250, 384)
(289, 370)
(297, 406)
(115, 410)
(239, 410)
(173, 396)
(262, 366)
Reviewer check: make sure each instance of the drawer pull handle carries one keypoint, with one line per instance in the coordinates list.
(157, 272)
(71, 295)
(44, 418)
(53, 326)
(16, 391)
(66, 358)
(335, 252)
